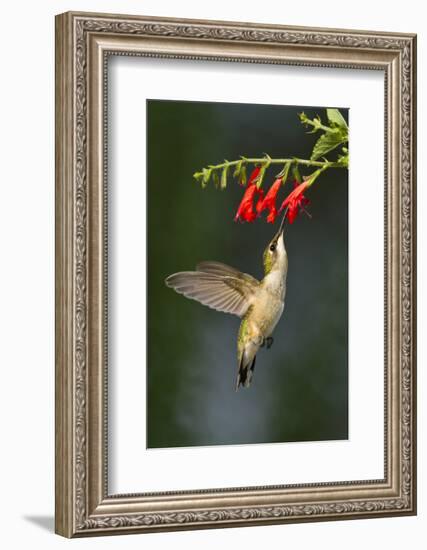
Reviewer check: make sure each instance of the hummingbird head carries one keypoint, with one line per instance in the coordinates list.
(275, 256)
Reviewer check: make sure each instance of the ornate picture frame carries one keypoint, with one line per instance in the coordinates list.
(84, 42)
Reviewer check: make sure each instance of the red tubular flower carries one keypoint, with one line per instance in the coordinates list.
(246, 207)
(271, 218)
(254, 175)
(296, 200)
(269, 201)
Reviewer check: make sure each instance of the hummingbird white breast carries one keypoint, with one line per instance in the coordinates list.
(270, 302)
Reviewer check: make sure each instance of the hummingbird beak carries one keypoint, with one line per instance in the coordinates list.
(282, 225)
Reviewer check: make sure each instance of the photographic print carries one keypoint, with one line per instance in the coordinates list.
(247, 273)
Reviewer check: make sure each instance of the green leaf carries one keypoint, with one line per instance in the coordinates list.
(242, 175)
(237, 169)
(343, 160)
(215, 178)
(262, 172)
(315, 123)
(336, 119)
(327, 142)
(198, 176)
(296, 173)
(284, 172)
(206, 174)
(313, 177)
(303, 117)
(224, 177)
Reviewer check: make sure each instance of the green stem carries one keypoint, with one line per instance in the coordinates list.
(318, 125)
(263, 160)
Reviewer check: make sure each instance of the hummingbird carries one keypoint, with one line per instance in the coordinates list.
(259, 304)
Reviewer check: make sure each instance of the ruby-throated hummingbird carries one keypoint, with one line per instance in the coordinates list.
(259, 303)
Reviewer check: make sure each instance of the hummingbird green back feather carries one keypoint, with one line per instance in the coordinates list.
(243, 331)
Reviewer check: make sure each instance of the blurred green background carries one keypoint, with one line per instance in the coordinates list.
(300, 386)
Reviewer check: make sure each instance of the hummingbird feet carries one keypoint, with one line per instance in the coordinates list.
(268, 342)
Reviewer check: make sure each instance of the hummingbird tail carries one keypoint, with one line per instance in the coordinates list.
(245, 373)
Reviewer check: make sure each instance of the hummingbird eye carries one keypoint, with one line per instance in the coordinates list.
(273, 247)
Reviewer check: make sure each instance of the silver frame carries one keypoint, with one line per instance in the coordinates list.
(83, 43)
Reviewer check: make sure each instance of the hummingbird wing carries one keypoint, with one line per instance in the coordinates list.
(218, 268)
(228, 291)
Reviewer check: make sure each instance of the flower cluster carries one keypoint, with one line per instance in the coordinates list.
(294, 202)
(333, 139)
